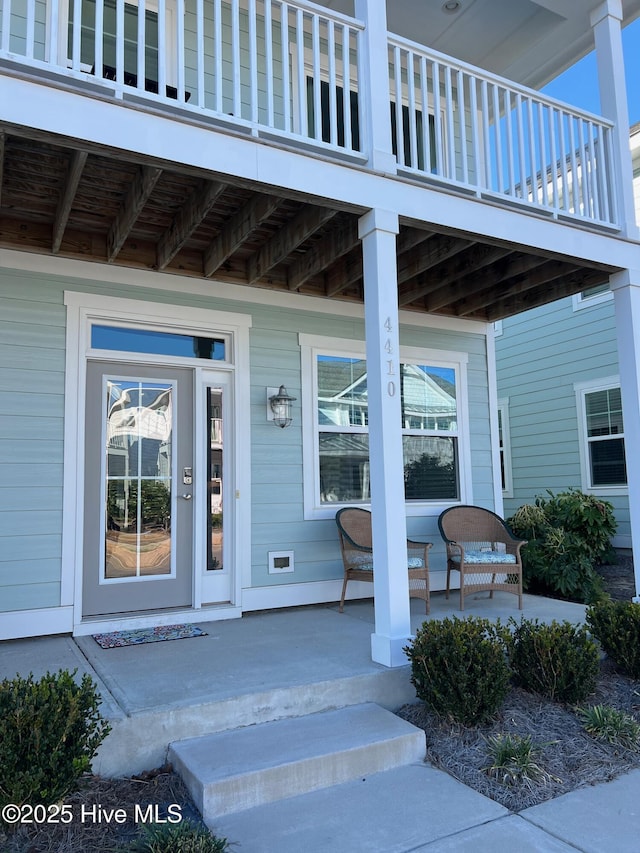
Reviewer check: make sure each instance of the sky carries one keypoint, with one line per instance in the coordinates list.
(579, 84)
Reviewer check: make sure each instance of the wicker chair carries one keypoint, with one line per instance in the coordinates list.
(354, 531)
(482, 548)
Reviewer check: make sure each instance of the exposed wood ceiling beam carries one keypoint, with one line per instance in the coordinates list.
(428, 255)
(74, 173)
(132, 206)
(3, 137)
(322, 254)
(574, 282)
(436, 282)
(285, 241)
(508, 267)
(345, 273)
(545, 274)
(238, 229)
(187, 219)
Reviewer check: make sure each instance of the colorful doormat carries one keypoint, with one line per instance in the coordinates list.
(147, 635)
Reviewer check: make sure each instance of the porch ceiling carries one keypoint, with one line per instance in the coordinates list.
(94, 205)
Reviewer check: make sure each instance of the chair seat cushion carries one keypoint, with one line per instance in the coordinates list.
(362, 562)
(480, 557)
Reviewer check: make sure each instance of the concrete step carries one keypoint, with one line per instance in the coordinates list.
(235, 770)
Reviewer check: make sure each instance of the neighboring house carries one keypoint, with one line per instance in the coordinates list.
(194, 213)
(560, 403)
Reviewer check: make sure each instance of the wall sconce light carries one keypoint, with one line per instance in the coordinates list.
(279, 406)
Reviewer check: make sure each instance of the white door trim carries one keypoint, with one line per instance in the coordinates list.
(82, 310)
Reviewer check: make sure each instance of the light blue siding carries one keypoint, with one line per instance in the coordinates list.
(32, 365)
(540, 356)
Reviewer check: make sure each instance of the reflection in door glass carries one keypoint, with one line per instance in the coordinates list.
(138, 478)
(214, 478)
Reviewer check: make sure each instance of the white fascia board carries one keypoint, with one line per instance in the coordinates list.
(193, 144)
(48, 265)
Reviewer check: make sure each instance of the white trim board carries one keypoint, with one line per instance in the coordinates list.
(109, 274)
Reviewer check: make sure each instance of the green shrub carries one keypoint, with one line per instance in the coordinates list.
(459, 668)
(567, 535)
(49, 730)
(611, 726)
(182, 837)
(559, 660)
(616, 626)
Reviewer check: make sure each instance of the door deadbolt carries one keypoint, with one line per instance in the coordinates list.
(187, 476)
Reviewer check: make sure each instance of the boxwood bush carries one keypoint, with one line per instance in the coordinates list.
(616, 626)
(50, 730)
(459, 668)
(559, 661)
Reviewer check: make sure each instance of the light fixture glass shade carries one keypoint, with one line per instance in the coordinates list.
(281, 407)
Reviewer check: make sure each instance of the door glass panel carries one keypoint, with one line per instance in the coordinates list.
(139, 434)
(214, 478)
(123, 339)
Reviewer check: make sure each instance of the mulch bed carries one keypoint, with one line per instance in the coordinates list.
(569, 755)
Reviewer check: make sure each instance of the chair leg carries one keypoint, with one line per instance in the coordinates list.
(344, 591)
(461, 591)
(448, 581)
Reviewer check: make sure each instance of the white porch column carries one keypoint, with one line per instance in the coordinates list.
(606, 23)
(374, 81)
(378, 230)
(626, 293)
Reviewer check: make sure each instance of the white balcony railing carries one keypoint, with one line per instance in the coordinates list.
(495, 138)
(292, 70)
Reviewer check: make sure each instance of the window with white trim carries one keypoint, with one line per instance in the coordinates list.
(504, 443)
(434, 449)
(602, 438)
(592, 296)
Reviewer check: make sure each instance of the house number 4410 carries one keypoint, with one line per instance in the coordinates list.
(391, 362)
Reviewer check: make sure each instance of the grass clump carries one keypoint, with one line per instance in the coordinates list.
(558, 661)
(459, 668)
(184, 837)
(50, 730)
(611, 725)
(616, 626)
(514, 760)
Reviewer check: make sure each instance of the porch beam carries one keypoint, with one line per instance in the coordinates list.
(238, 229)
(545, 273)
(428, 255)
(498, 272)
(625, 286)
(378, 230)
(344, 274)
(3, 137)
(131, 208)
(438, 280)
(188, 218)
(337, 243)
(289, 238)
(74, 173)
(572, 281)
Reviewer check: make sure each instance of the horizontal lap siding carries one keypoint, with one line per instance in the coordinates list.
(540, 355)
(32, 335)
(32, 431)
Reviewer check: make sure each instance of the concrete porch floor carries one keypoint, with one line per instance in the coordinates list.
(265, 666)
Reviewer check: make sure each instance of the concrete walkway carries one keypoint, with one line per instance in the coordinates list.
(249, 670)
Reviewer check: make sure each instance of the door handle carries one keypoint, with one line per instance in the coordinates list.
(186, 497)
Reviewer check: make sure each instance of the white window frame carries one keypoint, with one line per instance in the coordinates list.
(580, 301)
(581, 390)
(505, 447)
(313, 345)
